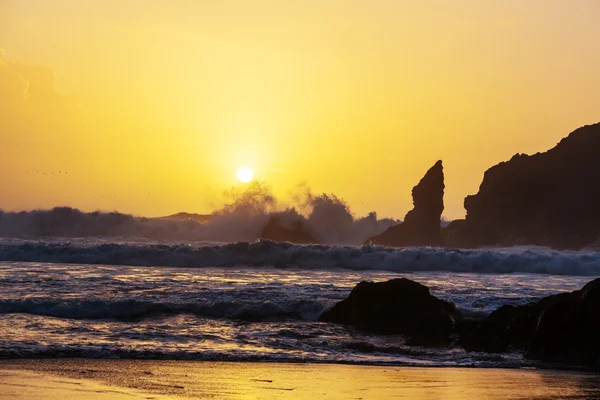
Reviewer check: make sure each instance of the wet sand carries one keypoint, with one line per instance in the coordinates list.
(67, 379)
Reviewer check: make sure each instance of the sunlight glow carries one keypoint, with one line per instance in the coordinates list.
(245, 174)
(321, 89)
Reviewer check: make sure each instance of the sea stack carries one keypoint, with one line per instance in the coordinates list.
(421, 225)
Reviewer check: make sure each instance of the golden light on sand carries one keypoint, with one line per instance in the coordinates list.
(245, 174)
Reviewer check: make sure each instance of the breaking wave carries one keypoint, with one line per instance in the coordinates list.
(284, 255)
(241, 218)
(379, 357)
(138, 309)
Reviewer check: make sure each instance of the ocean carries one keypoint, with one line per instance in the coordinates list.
(259, 301)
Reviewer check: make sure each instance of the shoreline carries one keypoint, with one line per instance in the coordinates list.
(532, 366)
(168, 379)
(26, 384)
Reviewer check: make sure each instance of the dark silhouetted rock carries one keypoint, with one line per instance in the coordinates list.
(434, 328)
(398, 306)
(421, 225)
(295, 233)
(507, 328)
(452, 234)
(563, 328)
(568, 330)
(550, 198)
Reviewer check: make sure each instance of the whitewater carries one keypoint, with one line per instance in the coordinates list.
(253, 301)
(145, 252)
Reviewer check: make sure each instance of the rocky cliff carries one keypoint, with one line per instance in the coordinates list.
(550, 198)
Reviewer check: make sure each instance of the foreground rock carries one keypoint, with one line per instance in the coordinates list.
(421, 225)
(398, 306)
(568, 330)
(507, 328)
(563, 328)
(550, 198)
(276, 230)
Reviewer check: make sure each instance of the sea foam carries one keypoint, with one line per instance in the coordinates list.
(536, 260)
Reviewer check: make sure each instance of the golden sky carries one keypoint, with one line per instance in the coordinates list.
(149, 107)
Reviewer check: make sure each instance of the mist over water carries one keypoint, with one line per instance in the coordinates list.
(242, 218)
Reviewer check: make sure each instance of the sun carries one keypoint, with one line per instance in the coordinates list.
(245, 174)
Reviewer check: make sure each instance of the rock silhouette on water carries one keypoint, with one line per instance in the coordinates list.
(295, 233)
(398, 306)
(562, 328)
(421, 225)
(568, 329)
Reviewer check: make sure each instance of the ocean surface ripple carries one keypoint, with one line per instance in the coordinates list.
(252, 312)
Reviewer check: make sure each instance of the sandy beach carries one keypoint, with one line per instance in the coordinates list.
(67, 379)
